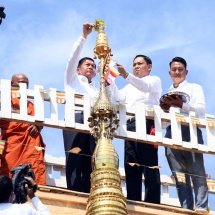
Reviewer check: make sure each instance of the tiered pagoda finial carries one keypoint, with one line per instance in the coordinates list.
(106, 193)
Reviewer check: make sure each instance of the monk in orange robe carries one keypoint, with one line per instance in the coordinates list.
(24, 143)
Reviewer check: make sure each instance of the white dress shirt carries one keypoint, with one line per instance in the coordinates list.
(146, 90)
(72, 81)
(197, 98)
(78, 84)
(24, 209)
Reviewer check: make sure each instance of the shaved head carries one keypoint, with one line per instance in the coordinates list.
(19, 78)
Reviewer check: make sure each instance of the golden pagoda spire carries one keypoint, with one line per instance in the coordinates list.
(106, 193)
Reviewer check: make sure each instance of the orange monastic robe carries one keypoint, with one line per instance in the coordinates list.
(22, 148)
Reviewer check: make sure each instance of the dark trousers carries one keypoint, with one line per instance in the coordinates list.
(78, 166)
(192, 164)
(143, 154)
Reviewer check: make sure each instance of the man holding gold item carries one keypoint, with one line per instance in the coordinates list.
(143, 88)
(78, 79)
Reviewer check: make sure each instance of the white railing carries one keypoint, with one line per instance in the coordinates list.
(41, 96)
(55, 176)
(47, 113)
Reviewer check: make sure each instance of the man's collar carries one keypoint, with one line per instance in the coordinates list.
(183, 83)
(85, 79)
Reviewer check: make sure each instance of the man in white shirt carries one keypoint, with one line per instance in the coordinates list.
(189, 163)
(142, 88)
(7, 196)
(78, 79)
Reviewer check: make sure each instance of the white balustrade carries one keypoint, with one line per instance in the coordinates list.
(55, 168)
(40, 96)
(55, 176)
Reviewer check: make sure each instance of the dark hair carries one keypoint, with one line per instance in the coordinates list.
(82, 60)
(146, 58)
(6, 188)
(180, 60)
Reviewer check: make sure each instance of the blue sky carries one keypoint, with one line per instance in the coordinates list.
(37, 36)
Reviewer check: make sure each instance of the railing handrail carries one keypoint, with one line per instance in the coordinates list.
(141, 112)
(57, 164)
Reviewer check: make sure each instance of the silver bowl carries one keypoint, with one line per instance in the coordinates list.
(184, 97)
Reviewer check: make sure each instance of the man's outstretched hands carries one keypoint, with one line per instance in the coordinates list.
(87, 29)
(122, 70)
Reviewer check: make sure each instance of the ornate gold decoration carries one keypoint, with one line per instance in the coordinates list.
(106, 193)
(102, 50)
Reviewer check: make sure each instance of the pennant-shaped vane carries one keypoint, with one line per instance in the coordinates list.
(180, 117)
(133, 164)
(154, 167)
(195, 120)
(39, 148)
(210, 121)
(211, 184)
(60, 97)
(2, 145)
(151, 167)
(15, 91)
(75, 150)
(181, 177)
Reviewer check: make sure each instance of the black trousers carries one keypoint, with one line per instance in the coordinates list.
(144, 154)
(193, 164)
(78, 167)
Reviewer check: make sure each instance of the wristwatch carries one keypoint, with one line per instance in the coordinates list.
(126, 75)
